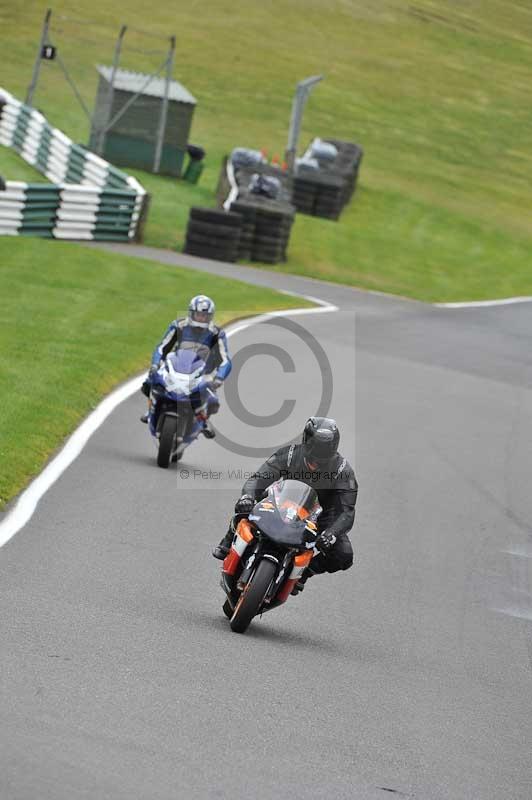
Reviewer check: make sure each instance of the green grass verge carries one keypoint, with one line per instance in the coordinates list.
(436, 92)
(75, 322)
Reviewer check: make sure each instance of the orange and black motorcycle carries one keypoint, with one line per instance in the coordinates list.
(270, 551)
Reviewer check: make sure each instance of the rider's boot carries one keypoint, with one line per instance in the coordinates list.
(300, 585)
(145, 417)
(222, 549)
(206, 430)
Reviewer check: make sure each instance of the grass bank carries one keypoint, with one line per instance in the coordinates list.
(74, 323)
(436, 92)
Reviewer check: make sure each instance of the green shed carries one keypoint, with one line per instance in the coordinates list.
(132, 138)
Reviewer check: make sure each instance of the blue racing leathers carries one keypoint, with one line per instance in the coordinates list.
(218, 362)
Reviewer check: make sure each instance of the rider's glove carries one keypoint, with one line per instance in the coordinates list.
(325, 541)
(245, 504)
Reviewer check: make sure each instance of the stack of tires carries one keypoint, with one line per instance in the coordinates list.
(272, 231)
(304, 193)
(324, 192)
(265, 230)
(213, 233)
(320, 195)
(348, 165)
(248, 214)
(329, 202)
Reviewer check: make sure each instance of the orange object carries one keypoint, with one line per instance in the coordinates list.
(304, 559)
(302, 513)
(285, 590)
(231, 562)
(244, 530)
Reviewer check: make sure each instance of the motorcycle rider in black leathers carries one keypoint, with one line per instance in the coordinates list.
(316, 462)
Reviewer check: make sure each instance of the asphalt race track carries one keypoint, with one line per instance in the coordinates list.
(409, 674)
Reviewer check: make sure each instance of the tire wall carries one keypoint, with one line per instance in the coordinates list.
(326, 192)
(213, 233)
(265, 230)
(266, 223)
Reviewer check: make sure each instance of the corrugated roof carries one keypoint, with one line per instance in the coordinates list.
(129, 81)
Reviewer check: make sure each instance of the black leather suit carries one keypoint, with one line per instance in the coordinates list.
(337, 489)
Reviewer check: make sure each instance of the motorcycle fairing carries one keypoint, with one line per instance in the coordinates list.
(175, 384)
(291, 534)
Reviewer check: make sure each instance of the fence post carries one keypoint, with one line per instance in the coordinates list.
(164, 107)
(300, 98)
(100, 140)
(37, 65)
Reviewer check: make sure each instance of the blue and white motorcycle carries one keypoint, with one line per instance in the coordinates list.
(179, 391)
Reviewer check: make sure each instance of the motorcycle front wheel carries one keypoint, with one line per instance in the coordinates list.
(166, 441)
(252, 596)
(227, 608)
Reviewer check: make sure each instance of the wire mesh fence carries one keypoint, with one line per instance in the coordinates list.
(77, 44)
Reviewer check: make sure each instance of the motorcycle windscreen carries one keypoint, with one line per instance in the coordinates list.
(284, 514)
(187, 360)
(294, 500)
(291, 534)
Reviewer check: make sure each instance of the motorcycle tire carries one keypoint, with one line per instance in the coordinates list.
(252, 596)
(227, 609)
(166, 441)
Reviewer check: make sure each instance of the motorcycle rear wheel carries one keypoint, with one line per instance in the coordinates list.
(252, 596)
(166, 441)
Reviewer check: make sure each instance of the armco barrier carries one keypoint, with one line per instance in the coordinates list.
(88, 197)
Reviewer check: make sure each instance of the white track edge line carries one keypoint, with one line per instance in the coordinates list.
(26, 504)
(485, 303)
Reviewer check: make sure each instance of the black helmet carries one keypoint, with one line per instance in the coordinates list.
(320, 440)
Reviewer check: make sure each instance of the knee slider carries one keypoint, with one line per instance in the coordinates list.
(347, 562)
(213, 406)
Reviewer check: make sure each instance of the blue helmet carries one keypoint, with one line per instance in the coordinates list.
(201, 311)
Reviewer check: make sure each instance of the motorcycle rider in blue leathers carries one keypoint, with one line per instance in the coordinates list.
(198, 327)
